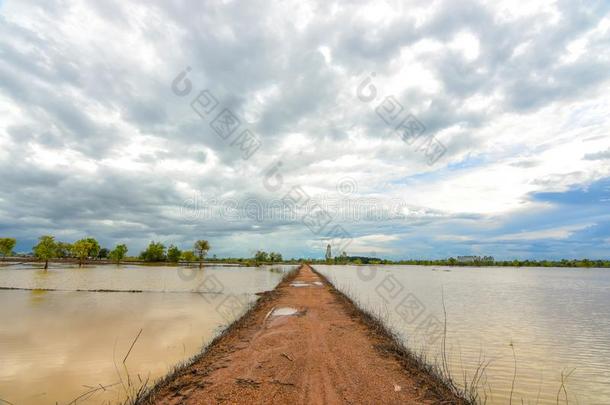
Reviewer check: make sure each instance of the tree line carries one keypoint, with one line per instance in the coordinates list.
(49, 248)
(345, 259)
(156, 252)
(263, 257)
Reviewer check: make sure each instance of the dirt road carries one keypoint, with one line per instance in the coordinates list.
(322, 354)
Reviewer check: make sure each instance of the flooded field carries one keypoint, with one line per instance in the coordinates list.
(552, 323)
(59, 344)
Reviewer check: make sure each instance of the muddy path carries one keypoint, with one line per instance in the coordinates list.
(303, 343)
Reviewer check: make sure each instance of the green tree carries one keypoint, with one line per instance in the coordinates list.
(118, 253)
(173, 254)
(155, 252)
(342, 258)
(201, 248)
(261, 257)
(103, 254)
(94, 251)
(46, 249)
(6, 246)
(64, 249)
(189, 256)
(275, 257)
(81, 249)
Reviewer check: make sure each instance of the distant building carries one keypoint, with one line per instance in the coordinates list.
(328, 252)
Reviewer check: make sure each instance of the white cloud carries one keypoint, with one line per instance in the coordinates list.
(545, 234)
(91, 131)
(467, 43)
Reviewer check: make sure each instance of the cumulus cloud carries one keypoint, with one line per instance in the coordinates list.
(94, 141)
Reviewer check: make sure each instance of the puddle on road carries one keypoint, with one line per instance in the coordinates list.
(299, 284)
(284, 311)
(303, 284)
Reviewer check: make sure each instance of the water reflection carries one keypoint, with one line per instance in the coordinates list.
(37, 296)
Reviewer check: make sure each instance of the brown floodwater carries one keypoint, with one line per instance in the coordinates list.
(533, 328)
(58, 344)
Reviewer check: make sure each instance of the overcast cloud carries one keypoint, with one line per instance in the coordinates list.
(94, 141)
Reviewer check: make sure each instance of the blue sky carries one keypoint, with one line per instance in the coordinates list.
(100, 136)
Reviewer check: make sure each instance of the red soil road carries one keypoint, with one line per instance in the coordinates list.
(323, 355)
